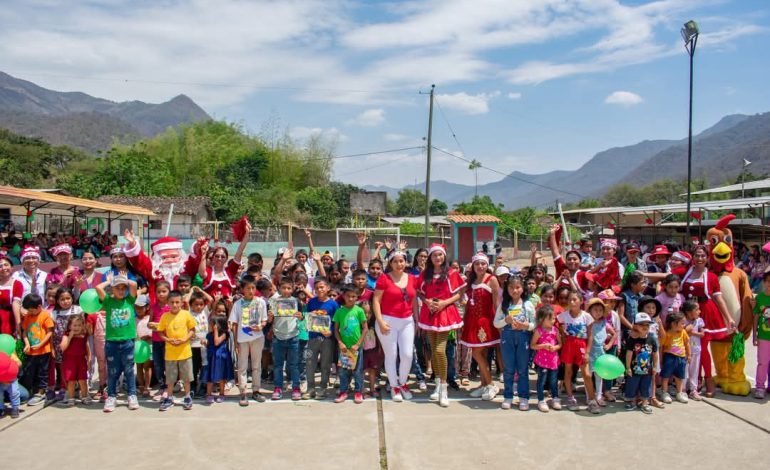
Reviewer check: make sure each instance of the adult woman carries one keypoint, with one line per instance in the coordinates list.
(395, 304)
(419, 262)
(11, 291)
(32, 279)
(63, 274)
(703, 286)
(439, 289)
(119, 265)
(569, 265)
(220, 275)
(88, 277)
(479, 332)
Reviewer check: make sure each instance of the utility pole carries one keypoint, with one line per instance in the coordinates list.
(427, 175)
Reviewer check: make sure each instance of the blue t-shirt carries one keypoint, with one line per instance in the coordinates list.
(329, 306)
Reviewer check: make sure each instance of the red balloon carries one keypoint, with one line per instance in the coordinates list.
(9, 370)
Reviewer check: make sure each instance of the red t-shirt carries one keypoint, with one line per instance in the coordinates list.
(395, 301)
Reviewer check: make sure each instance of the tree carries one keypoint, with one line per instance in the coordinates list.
(479, 205)
(319, 205)
(411, 228)
(438, 207)
(410, 202)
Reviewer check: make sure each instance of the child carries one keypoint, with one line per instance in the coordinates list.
(220, 361)
(612, 345)
(695, 330)
(574, 328)
(546, 343)
(120, 321)
(374, 356)
(14, 394)
(184, 285)
(285, 315)
(629, 300)
(197, 302)
(50, 296)
(75, 357)
(143, 333)
(37, 328)
(63, 310)
(641, 360)
(651, 307)
(516, 318)
(176, 328)
(247, 319)
(670, 299)
(676, 355)
(157, 309)
(761, 337)
(350, 328)
(600, 338)
(266, 289)
(320, 345)
(97, 328)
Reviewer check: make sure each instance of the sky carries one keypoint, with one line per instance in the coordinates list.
(520, 85)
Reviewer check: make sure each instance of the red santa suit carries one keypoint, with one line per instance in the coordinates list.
(151, 269)
(223, 282)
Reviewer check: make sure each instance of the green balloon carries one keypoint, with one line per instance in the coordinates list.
(89, 301)
(7, 344)
(141, 352)
(609, 367)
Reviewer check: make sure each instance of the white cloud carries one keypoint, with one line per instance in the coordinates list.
(514, 96)
(368, 118)
(304, 133)
(623, 98)
(468, 104)
(395, 137)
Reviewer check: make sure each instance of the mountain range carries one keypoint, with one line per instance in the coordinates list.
(83, 121)
(718, 154)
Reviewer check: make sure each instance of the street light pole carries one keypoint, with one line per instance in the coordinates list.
(690, 35)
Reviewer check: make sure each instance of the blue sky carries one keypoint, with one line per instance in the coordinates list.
(528, 85)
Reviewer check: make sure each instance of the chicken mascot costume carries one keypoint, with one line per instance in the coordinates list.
(734, 284)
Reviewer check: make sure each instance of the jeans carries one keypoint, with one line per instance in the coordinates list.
(547, 377)
(323, 348)
(35, 377)
(358, 374)
(515, 348)
(285, 353)
(14, 394)
(159, 363)
(120, 360)
(451, 349)
(416, 369)
(637, 384)
(302, 359)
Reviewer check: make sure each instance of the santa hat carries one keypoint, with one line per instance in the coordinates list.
(436, 247)
(609, 243)
(118, 250)
(682, 256)
(166, 243)
(480, 256)
(30, 251)
(62, 248)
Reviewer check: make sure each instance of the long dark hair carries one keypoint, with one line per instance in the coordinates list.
(221, 323)
(472, 275)
(507, 296)
(415, 263)
(428, 273)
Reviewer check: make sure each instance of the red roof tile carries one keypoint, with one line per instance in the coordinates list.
(472, 219)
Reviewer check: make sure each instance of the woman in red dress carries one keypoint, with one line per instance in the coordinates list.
(439, 287)
(220, 276)
(702, 285)
(479, 332)
(11, 291)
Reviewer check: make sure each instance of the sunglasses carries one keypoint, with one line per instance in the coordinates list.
(405, 294)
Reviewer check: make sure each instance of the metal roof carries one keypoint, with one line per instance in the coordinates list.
(749, 185)
(42, 200)
(434, 220)
(727, 204)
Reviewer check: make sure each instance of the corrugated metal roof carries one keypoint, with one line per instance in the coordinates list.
(727, 204)
(472, 219)
(434, 220)
(46, 200)
(749, 185)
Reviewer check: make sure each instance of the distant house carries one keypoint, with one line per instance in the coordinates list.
(191, 217)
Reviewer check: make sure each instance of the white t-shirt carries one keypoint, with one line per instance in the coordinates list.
(246, 314)
(201, 327)
(577, 327)
(699, 326)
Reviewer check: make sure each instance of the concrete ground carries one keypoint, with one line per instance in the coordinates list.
(720, 433)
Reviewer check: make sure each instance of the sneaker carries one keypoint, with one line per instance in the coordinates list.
(523, 405)
(320, 394)
(629, 406)
(646, 409)
(109, 404)
(210, 400)
(405, 392)
(657, 403)
(422, 385)
(219, 399)
(14, 412)
(572, 404)
(133, 403)
(69, 402)
(165, 404)
(103, 396)
(555, 404)
(277, 394)
(609, 397)
(36, 400)
(244, 401)
(436, 391)
(341, 397)
(296, 394)
(542, 406)
(601, 401)
(594, 408)
(681, 397)
(50, 395)
(187, 403)
(490, 393)
(358, 398)
(61, 395)
(395, 395)
(759, 394)
(477, 393)
(258, 397)
(695, 396)
(453, 385)
(507, 403)
(666, 397)
(306, 396)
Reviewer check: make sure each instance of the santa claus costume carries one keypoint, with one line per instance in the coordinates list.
(449, 318)
(221, 282)
(168, 262)
(478, 330)
(11, 291)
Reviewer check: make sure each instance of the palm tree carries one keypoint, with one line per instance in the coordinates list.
(475, 165)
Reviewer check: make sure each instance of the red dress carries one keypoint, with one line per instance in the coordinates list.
(479, 330)
(449, 318)
(8, 293)
(224, 282)
(694, 288)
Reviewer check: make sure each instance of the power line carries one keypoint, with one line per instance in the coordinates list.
(352, 155)
(375, 166)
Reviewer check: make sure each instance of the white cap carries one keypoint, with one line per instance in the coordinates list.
(502, 270)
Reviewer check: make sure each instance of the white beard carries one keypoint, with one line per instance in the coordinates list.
(169, 271)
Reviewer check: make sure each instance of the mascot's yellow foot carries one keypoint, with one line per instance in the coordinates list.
(720, 381)
(736, 388)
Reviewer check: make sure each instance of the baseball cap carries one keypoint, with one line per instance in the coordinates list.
(118, 280)
(502, 270)
(642, 318)
(142, 301)
(633, 246)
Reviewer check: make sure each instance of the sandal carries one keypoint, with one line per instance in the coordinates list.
(657, 403)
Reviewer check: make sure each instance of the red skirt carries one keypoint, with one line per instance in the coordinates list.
(715, 329)
(479, 331)
(446, 320)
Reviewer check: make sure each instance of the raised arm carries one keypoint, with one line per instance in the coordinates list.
(309, 236)
(361, 249)
(553, 244)
(317, 258)
(204, 262)
(241, 247)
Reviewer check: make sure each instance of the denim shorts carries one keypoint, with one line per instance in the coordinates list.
(673, 365)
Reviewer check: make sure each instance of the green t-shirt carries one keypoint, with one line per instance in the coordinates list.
(350, 321)
(762, 311)
(120, 318)
(302, 326)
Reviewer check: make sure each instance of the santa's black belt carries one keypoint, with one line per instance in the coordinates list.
(697, 298)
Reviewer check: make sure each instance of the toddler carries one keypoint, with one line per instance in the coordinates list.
(546, 342)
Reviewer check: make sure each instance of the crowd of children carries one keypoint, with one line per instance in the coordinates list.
(288, 325)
